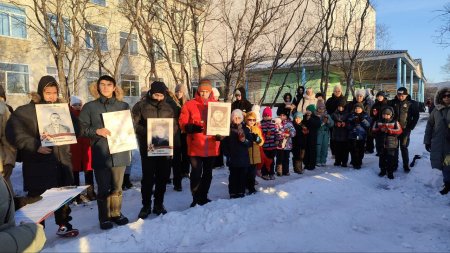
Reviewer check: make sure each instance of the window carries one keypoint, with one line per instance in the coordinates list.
(130, 85)
(175, 54)
(55, 32)
(14, 77)
(98, 39)
(12, 21)
(132, 48)
(157, 48)
(99, 2)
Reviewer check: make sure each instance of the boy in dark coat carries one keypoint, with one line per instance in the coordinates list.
(299, 142)
(312, 123)
(155, 169)
(387, 131)
(108, 168)
(236, 150)
(375, 112)
(43, 167)
(358, 124)
(340, 134)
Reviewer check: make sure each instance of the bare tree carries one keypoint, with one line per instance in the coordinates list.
(354, 32)
(443, 37)
(56, 22)
(383, 39)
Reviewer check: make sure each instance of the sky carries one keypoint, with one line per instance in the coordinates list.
(413, 26)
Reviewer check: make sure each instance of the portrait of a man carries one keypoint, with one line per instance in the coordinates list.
(55, 127)
(218, 117)
(160, 136)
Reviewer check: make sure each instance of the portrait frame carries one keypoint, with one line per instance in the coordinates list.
(160, 137)
(218, 120)
(55, 125)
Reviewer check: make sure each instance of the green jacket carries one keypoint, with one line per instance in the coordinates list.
(28, 237)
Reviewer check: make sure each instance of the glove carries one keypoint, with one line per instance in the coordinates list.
(193, 128)
(218, 137)
(305, 130)
(258, 139)
(428, 147)
(388, 131)
(342, 124)
(254, 136)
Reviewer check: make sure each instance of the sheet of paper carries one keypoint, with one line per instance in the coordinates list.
(123, 137)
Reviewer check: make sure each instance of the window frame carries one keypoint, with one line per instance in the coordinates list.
(134, 40)
(8, 10)
(98, 2)
(67, 31)
(6, 72)
(124, 79)
(95, 30)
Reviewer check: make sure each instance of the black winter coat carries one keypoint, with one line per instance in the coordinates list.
(377, 109)
(340, 132)
(333, 102)
(299, 140)
(40, 172)
(235, 150)
(405, 112)
(150, 108)
(91, 119)
(243, 104)
(176, 107)
(313, 125)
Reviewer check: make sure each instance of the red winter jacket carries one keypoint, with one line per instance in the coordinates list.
(81, 151)
(199, 144)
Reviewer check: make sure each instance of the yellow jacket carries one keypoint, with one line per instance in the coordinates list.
(254, 151)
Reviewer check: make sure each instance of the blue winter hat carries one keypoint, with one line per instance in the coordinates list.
(298, 115)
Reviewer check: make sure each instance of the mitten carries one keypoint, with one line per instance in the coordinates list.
(193, 128)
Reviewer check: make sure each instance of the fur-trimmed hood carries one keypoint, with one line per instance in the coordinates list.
(93, 89)
(37, 99)
(438, 103)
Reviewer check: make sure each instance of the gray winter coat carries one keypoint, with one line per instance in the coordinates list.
(91, 119)
(437, 132)
(28, 237)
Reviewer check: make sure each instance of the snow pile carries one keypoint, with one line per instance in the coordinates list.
(331, 209)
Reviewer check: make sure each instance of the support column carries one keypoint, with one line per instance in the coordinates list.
(399, 72)
(423, 93)
(303, 76)
(404, 75)
(411, 84)
(419, 91)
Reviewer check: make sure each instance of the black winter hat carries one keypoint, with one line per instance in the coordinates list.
(381, 93)
(402, 91)
(342, 102)
(360, 105)
(387, 110)
(157, 87)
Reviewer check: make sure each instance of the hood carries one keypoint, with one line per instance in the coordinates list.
(118, 93)
(37, 99)
(243, 93)
(438, 103)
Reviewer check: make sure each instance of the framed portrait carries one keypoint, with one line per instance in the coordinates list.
(160, 137)
(55, 124)
(218, 121)
(123, 137)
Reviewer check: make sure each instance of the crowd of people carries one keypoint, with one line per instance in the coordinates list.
(259, 144)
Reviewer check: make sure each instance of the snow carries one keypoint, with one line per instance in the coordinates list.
(330, 209)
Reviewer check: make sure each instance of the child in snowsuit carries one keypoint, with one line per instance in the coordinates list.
(340, 134)
(323, 134)
(254, 151)
(288, 132)
(271, 136)
(386, 131)
(358, 124)
(312, 123)
(236, 150)
(299, 142)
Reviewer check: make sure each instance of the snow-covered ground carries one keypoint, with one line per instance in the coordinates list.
(330, 209)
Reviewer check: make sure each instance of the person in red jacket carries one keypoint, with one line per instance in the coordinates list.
(202, 149)
(81, 157)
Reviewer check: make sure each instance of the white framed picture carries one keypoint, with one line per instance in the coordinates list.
(160, 136)
(123, 137)
(218, 122)
(55, 124)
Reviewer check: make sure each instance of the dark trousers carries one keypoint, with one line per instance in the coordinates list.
(387, 160)
(403, 140)
(201, 176)
(237, 181)
(310, 155)
(109, 180)
(369, 143)
(357, 152)
(155, 172)
(270, 154)
(185, 160)
(251, 174)
(280, 155)
(176, 167)
(341, 153)
(62, 215)
(332, 143)
(286, 157)
(88, 177)
(218, 162)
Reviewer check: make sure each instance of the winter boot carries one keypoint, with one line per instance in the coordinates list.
(390, 175)
(104, 214)
(115, 207)
(66, 230)
(126, 182)
(279, 170)
(446, 189)
(145, 212)
(89, 180)
(159, 209)
(382, 173)
(298, 168)
(90, 193)
(406, 168)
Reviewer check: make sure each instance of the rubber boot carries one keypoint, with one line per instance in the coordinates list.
(115, 207)
(298, 167)
(279, 170)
